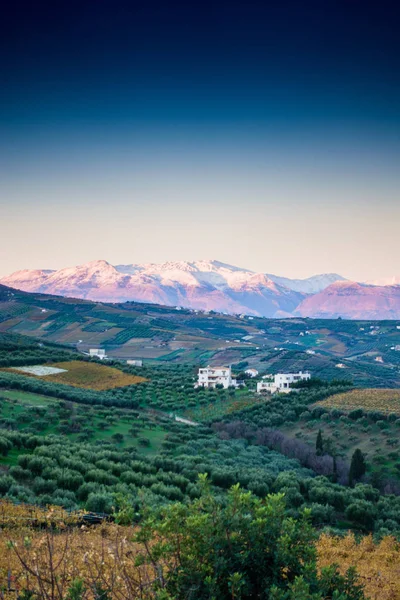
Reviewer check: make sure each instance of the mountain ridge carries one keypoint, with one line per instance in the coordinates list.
(204, 285)
(213, 285)
(353, 300)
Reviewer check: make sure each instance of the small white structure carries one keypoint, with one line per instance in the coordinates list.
(135, 363)
(98, 353)
(210, 377)
(281, 382)
(251, 372)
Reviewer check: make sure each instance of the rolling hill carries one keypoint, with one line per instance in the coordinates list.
(362, 350)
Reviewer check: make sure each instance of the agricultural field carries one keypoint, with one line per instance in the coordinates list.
(382, 400)
(90, 375)
(42, 415)
(221, 407)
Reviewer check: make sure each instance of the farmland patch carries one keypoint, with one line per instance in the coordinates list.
(382, 400)
(88, 375)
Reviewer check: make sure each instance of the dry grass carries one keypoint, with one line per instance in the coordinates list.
(90, 375)
(382, 400)
(378, 565)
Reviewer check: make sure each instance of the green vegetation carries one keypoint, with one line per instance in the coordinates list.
(274, 468)
(254, 557)
(43, 415)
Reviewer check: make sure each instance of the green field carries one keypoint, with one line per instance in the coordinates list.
(43, 415)
(26, 397)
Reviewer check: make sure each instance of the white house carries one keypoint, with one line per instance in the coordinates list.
(210, 377)
(281, 382)
(135, 363)
(251, 372)
(98, 353)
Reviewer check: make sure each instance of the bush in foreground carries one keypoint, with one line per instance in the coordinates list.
(240, 548)
(246, 548)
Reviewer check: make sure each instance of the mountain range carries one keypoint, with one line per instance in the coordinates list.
(213, 285)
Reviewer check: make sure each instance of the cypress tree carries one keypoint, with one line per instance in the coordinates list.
(319, 445)
(357, 467)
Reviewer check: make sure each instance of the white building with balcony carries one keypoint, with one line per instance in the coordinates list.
(210, 377)
(281, 382)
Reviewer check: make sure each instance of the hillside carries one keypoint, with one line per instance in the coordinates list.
(115, 440)
(350, 300)
(329, 348)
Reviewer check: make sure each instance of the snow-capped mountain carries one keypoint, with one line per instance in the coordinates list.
(213, 285)
(311, 285)
(206, 285)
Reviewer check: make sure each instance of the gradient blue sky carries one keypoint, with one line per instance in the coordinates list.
(263, 134)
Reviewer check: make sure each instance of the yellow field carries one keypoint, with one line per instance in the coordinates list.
(378, 565)
(382, 400)
(90, 375)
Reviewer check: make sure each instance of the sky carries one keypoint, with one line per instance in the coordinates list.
(262, 134)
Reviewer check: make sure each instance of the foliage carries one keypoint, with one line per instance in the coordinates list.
(357, 467)
(243, 548)
(247, 548)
